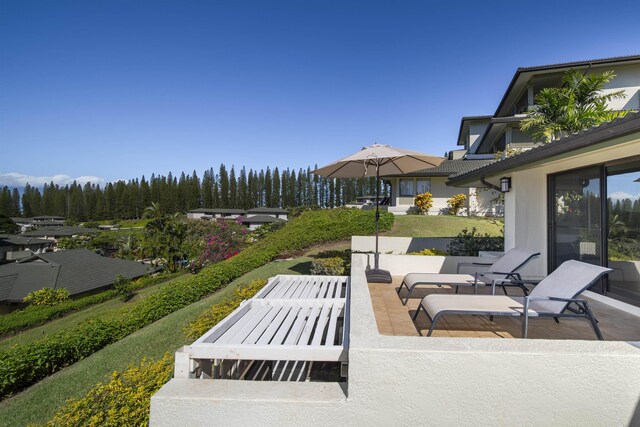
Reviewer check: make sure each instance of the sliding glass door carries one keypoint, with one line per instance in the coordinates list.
(576, 220)
(623, 236)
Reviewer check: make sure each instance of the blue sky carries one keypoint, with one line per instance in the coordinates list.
(119, 89)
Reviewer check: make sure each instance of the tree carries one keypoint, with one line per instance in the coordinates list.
(579, 104)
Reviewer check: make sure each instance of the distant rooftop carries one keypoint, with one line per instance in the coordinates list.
(267, 210)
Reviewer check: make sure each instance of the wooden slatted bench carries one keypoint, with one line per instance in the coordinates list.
(291, 323)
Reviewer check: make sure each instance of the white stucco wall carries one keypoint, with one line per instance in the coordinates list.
(428, 381)
(526, 203)
(441, 193)
(627, 79)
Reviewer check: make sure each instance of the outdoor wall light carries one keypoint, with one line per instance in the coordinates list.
(505, 184)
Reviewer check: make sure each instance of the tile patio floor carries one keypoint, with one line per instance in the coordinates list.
(393, 318)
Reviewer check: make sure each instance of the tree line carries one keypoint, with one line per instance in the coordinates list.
(222, 189)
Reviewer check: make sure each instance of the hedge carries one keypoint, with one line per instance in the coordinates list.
(25, 365)
(37, 315)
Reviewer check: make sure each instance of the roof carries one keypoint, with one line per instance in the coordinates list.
(19, 239)
(48, 217)
(267, 210)
(260, 219)
(465, 120)
(59, 231)
(218, 210)
(77, 270)
(451, 167)
(526, 71)
(607, 131)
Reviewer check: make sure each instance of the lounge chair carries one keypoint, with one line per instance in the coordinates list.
(500, 273)
(555, 296)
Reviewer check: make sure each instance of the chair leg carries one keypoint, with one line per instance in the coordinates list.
(409, 291)
(593, 320)
(415, 315)
(433, 323)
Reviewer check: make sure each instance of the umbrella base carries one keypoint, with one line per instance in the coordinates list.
(377, 275)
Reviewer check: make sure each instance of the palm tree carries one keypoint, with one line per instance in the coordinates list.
(579, 104)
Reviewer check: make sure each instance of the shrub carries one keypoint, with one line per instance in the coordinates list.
(344, 254)
(424, 202)
(123, 400)
(429, 252)
(455, 203)
(122, 286)
(469, 243)
(25, 365)
(328, 266)
(47, 296)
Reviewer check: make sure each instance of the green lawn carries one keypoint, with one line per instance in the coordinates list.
(440, 226)
(112, 307)
(38, 403)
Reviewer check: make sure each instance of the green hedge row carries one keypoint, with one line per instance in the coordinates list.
(37, 315)
(23, 366)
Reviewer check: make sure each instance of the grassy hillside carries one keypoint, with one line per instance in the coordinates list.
(38, 403)
(440, 226)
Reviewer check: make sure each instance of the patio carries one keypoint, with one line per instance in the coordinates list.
(393, 318)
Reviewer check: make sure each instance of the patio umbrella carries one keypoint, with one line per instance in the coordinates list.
(381, 160)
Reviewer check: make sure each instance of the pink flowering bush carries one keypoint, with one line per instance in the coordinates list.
(224, 241)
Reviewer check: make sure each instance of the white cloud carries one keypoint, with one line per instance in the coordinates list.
(621, 195)
(14, 179)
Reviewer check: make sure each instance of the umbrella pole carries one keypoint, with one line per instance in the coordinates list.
(376, 275)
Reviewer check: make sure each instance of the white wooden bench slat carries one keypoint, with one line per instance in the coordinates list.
(283, 288)
(323, 318)
(303, 340)
(248, 323)
(229, 322)
(331, 332)
(277, 323)
(286, 325)
(298, 325)
(267, 321)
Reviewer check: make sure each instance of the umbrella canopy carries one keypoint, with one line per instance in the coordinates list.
(389, 160)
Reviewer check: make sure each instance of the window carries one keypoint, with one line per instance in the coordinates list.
(406, 187)
(423, 186)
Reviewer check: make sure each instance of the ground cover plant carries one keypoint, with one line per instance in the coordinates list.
(441, 226)
(25, 365)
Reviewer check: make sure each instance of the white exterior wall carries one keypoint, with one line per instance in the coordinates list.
(427, 381)
(441, 193)
(197, 215)
(526, 203)
(627, 79)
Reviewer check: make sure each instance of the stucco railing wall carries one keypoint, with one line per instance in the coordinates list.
(398, 245)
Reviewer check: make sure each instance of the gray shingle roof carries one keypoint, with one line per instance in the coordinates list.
(268, 210)
(61, 231)
(580, 140)
(218, 210)
(77, 270)
(260, 219)
(19, 239)
(450, 167)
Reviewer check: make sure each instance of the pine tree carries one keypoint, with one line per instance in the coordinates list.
(275, 196)
(224, 187)
(233, 189)
(268, 189)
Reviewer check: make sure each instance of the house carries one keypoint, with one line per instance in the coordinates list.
(254, 221)
(55, 233)
(273, 212)
(210, 213)
(481, 137)
(404, 189)
(576, 198)
(15, 246)
(77, 270)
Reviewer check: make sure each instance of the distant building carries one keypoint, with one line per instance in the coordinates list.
(54, 233)
(14, 247)
(212, 213)
(78, 270)
(273, 212)
(255, 221)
